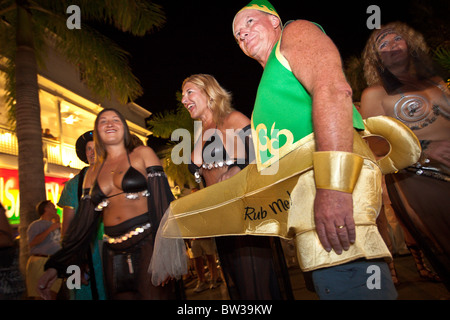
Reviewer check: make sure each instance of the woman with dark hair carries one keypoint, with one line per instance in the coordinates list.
(130, 192)
(403, 84)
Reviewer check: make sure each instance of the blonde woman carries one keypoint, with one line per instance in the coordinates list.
(223, 149)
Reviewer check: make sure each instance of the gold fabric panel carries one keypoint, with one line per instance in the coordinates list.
(278, 201)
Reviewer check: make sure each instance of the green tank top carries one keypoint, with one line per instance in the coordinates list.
(282, 115)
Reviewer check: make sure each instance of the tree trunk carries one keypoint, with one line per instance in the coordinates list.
(28, 130)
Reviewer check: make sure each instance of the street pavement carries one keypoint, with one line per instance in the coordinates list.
(410, 287)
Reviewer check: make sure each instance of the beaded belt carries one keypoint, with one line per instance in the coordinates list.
(126, 236)
(217, 164)
(429, 168)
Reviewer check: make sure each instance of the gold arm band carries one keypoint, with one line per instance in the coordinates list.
(336, 170)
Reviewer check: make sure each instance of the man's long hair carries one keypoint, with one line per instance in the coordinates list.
(376, 73)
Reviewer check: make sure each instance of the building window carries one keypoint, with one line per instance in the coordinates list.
(49, 116)
(74, 122)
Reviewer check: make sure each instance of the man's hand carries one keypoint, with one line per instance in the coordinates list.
(333, 216)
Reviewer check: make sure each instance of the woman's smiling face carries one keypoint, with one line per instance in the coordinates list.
(110, 127)
(194, 100)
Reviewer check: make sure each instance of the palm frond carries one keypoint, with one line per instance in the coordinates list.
(354, 72)
(8, 47)
(442, 56)
(137, 17)
(105, 65)
(163, 124)
(179, 173)
(10, 92)
(6, 6)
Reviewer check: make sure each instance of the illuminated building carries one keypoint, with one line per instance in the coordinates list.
(68, 109)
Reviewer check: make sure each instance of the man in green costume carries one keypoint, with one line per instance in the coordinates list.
(303, 78)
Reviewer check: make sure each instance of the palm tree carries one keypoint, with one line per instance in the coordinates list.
(354, 71)
(442, 56)
(162, 125)
(25, 28)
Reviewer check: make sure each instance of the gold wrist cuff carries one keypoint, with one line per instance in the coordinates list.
(336, 170)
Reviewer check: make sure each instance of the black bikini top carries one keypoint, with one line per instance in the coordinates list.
(192, 167)
(133, 182)
(214, 150)
(214, 153)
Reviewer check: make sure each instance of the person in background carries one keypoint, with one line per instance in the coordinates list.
(72, 191)
(46, 134)
(69, 201)
(12, 284)
(405, 85)
(205, 249)
(44, 239)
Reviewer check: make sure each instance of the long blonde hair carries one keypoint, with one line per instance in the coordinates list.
(219, 99)
(418, 49)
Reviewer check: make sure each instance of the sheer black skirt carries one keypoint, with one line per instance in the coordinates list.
(423, 205)
(126, 264)
(254, 268)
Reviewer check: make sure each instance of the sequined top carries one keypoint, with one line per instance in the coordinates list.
(134, 184)
(215, 155)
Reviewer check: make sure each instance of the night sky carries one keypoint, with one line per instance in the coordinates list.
(197, 38)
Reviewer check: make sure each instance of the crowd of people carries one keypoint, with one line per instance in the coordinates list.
(123, 227)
